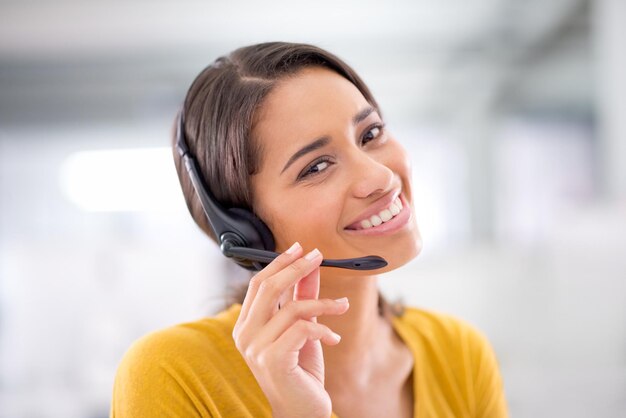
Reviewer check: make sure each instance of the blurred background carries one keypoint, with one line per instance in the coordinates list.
(513, 113)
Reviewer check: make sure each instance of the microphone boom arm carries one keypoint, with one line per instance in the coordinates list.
(370, 262)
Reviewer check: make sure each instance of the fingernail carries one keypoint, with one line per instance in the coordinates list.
(342, 301)
(312, 255)
(336, 336)
(293, 248)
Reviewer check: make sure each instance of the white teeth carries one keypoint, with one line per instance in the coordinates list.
(385, 215)
(394, 209)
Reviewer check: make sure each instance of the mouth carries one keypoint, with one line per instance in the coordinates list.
(390, 216)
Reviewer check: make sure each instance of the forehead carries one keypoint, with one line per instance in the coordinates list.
(301, 108)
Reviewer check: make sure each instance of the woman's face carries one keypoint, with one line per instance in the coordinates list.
(319, 194)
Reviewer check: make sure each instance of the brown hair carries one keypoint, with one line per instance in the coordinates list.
(219, 110)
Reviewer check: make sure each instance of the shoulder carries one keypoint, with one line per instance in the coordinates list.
(178, 367)
(447, 342)
(443, 328)
(207, 338)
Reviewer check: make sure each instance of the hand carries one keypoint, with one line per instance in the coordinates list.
(282, 346)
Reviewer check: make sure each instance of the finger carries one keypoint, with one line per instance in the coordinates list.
(308, 287)
(270, 289)
(279, 263)
(295, 311)
(286, 297)
(302, 331)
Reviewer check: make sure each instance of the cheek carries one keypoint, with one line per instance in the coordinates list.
(399, 161)
(304, 218)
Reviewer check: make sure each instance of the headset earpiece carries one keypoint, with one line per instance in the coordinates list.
(265, 239)
(247, 231)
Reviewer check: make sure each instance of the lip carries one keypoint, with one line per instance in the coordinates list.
(374, 209)
(393, 225)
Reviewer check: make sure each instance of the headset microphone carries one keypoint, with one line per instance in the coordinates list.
(242, 235)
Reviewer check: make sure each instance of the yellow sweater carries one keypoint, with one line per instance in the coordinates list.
(195, 370)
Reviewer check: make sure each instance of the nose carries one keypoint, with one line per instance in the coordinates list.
(371, 177)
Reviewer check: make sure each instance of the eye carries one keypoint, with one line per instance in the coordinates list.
(315, 168)
(372, 133)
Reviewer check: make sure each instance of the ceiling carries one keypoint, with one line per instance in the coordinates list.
(77, 62)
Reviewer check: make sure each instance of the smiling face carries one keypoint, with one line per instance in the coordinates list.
(330, 173)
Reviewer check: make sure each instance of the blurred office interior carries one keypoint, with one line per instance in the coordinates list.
(513, 113)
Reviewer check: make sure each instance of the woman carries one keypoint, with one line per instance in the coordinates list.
(291, 133)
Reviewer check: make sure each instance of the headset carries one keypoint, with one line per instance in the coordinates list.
(242, 235)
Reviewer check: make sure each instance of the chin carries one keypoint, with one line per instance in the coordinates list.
(400, 252)
(398, 258)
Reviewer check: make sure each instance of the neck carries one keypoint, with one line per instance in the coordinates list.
(359, 327)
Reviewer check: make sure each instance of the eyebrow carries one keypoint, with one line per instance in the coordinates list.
(324, 140)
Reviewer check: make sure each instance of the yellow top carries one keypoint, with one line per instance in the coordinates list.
(195, 370)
